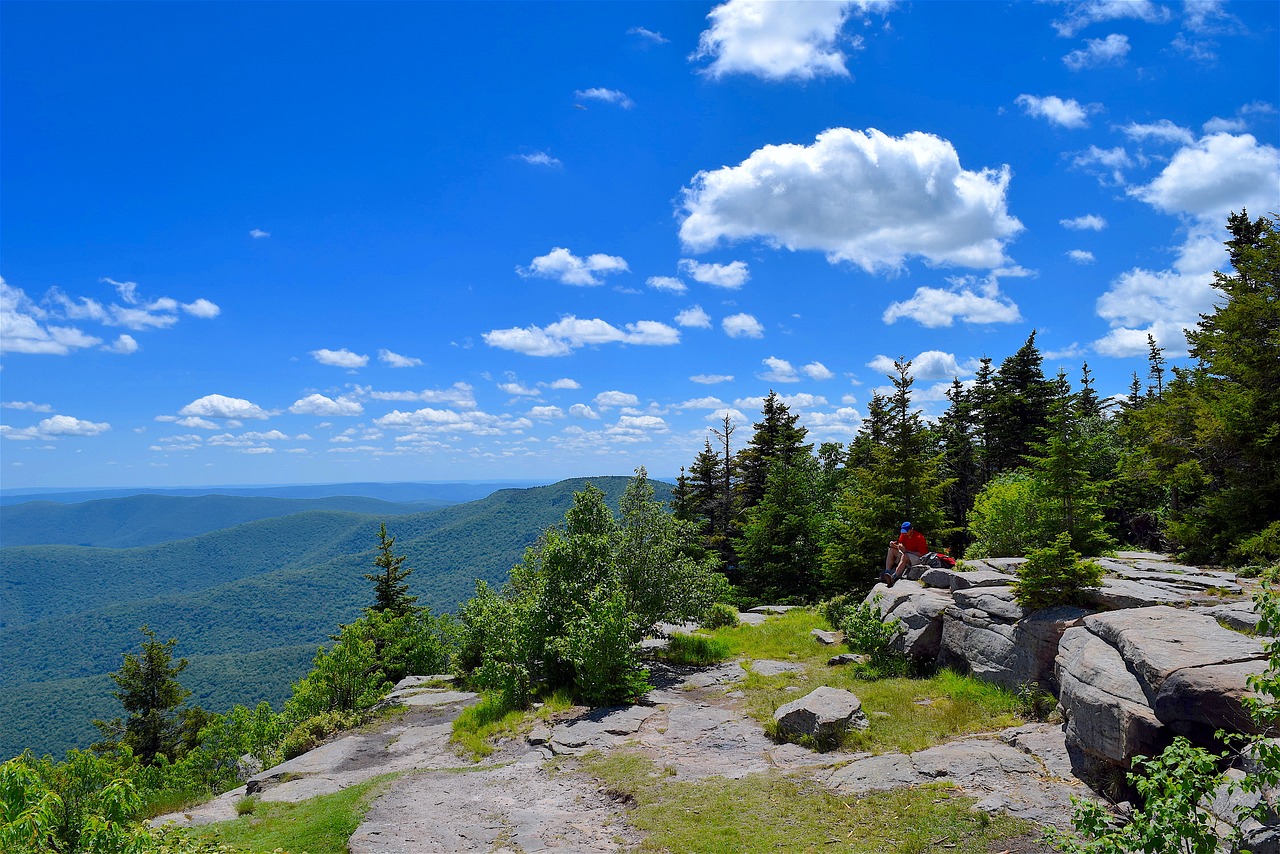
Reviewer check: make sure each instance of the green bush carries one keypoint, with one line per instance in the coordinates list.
(312, 732)
(833, 610)
(865, 632)
(600, 646)
(1003, 521)
(719, 616)
(1055, 576)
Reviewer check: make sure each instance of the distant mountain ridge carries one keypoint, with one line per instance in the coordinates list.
(67, 613)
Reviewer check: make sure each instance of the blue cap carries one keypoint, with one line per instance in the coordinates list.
(906, 526)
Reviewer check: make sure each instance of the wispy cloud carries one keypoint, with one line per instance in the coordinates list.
(343, 358)
(608, 96)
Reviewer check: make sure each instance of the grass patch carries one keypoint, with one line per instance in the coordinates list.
(477, 728)
(695, 649)
(776, 812)
(783, 637)
(320, 825)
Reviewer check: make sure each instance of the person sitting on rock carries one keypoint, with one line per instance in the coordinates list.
(905, 551)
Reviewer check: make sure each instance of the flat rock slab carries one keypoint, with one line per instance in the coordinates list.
(751, 619)
(599, 729)
(1239, 616)
(772, 609)
(769, 667)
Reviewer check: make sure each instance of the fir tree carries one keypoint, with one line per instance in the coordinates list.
(778, 437)
(390, 592)
(147, 686)
(1018, 409)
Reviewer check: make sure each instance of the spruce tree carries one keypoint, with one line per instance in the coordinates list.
(778, 437)
(390, 592)
(148, 688)
(780, 540)
(959, 461)
(1019, 407)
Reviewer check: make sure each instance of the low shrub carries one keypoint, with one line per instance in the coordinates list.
(720, 615)
(695, 650)
(833, 609)
(1055, 576)
(312, 732)
(866, 632)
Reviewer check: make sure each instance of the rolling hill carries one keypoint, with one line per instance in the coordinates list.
(70, 612)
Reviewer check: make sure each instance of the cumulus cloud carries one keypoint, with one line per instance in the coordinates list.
(194, 422)
(221, 406)
(701, 403)
(1068, 114)
(545, 413)
(563, 384)
(609, 399)
(562, 265)
(928, 365)
(56, 426)
(1098, 52)
(858, 196)
(318, 404)
(670, 284)
(694, 317)
(201, 308)
(711, 379)
(731, 276)
(518, 390)
(779, 371)
(969, 300)
(541, 158)
(124, 344)
(1081, 256)
(608, 96)
(26, 405)
(343, 358)
(817, 371)
(778, 41)
(1221, 125)
(569, 333)
(638, 425)
(581, 410)
(742, 326)
(1201, 184)
(258, 234)
(1088, 222)
(431, 420)
(1083, 13)
(395, 360)
(1161, 131)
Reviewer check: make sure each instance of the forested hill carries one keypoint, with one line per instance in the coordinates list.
(145, 520)
(232, 597)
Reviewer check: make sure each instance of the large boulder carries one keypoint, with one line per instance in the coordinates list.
(918, 611)
(823, 715)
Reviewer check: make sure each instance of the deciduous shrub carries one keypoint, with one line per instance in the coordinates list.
(866, 632)
(720, 615)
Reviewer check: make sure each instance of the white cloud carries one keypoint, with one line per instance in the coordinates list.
(56, 426)
(1107, 163)
(700, 403)
(1220, 173)
(343, 358)
(609, 96)
(460, 395)
(935, 307)
(694, 317)
(564, 383)
(844, 421)
(1071, 351)
(1088, 222)
(608, 399)
(669, 284)
(26, 405)
(817, 371)
(1085, 12)
(1221, 125)
(221, 406)
(201, 308)
(318, 404)
(711, 379)
(742, 326)
(395, 360)
(124, 344)
(638, 425)
(1161, 131)
(546, 412)
(569, 269)
(581, 410)
(928, 365)
(258, 234)
(430, 420)
(777, 41)
(518, 390)
(568, 333)
(731, 276)
(194, 422)
(780, 371)
(648, 35)
(862, 197)
(1068, 114)
(1081, 256)
(1098, 52)
(541, 158)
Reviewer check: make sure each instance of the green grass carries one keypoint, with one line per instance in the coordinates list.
(907, 714)
(320, 825)
(695, 649)
(478, 726)
(776, 812)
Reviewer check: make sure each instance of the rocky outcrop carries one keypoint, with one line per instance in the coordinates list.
(823, 715)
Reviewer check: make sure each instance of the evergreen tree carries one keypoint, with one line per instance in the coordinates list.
(959, 462)
(1087, 404)
(980, 397)
(390, 592)
(1018, 409)
(778, 437)
(148, 688)
(779, 547)
(1155, 371)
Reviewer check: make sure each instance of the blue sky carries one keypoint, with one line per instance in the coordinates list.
(312, 242)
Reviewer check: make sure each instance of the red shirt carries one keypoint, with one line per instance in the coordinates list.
(913, 541)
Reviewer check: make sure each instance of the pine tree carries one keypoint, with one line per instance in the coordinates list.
(148, 688)
(778, 437)
(780, 540)
(1088, 405)
(1019, 407)
(1155, 372)
(959, 461)
(390, 592)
